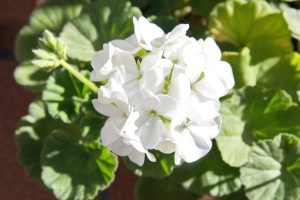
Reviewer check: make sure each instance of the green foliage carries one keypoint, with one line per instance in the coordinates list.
(100, 22)
(64, 96)
(58, 140)
(254, 113)
(76, 170)
(30, 135)
(163, 167)
(165, 189)
(30, 76)
(272, 171)
(205, 176)
(50, 52)
(254, 24)
(50, 16)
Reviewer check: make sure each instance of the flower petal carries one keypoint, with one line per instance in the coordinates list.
(189, 151)
(111, 129)
(211, 86)
(145, 100)
(202, 109)
(137, 157)
(168, 106)
(106, 109)
(150, 132)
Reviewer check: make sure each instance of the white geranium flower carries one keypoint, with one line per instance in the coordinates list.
(162, 93)
(151, 37)
(193, 139)
(152, 109)
(120, 132)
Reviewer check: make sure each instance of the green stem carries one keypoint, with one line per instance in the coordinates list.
(79, 76)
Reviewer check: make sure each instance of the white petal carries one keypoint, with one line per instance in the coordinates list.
(168, 106)
(211, 86)
(224, 71)
(199, 109)
(211, 128)
(212, 50)
(189, 151)
(110, 130)
(120, 148)
(176, 34)
(201, 136)
(106, 109)
(145, 100)
(129, 45)
(152, 80)
(150, 60)
(137, 157)
(146, 32)
(166, 146)
(180, 88)
(151, 157)
(150, 132)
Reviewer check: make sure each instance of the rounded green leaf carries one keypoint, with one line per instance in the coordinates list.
(163, 166)
(253, 24)
(244, 73)
(100, 22)
(30, 76)
(281, 72)
(76, 170)
(161, 189)
(253, 113)
(79, 46)
(64, 95)
(208, 175)
(273, 169)
(51, 16)
(30, 135)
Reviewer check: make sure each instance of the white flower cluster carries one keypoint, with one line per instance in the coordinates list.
(162, 93)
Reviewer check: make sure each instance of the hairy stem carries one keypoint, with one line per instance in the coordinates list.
(79, 76)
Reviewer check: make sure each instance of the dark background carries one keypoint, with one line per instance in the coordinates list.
(14, 183)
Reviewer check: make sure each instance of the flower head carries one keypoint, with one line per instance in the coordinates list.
(162, 93)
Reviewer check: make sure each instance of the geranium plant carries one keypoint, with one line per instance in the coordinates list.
(147, 81)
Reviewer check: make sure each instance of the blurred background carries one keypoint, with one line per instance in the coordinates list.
(14, 100)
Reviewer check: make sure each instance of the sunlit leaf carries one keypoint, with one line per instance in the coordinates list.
(208, 175)
(253, 24)
(273, 169)
(254, 113)
(75, 170)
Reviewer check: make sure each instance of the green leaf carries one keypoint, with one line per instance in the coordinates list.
(282, 72)
(163, 166)
(64, 95)
(254, 113)
(30, 76)
(100, 22)
(292, 17)
(76, 170)
(30, 135)
(51, 16)
(208, 175)
(165, 189)
(244, 73)
(268, 175)
(253, 24)
(79, 47)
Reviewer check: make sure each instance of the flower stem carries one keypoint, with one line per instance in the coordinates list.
(79, 76)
